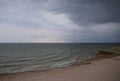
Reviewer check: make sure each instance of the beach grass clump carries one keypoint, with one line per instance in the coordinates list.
(105, 54)
(115, 50)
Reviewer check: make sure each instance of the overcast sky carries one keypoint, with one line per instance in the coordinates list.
(59, 21)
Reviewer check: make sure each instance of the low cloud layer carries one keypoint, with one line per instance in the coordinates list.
(59, 21)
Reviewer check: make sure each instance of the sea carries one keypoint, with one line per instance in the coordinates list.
(22, 57)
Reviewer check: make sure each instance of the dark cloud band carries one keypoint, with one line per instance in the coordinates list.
(85, 12)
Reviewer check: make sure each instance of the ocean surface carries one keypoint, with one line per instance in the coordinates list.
(21, 57)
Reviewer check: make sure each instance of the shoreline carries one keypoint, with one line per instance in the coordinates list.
(83, 62)
(101, 58)
(73, 71)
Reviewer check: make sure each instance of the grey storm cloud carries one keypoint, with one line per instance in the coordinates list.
(88, 12)
(60, 20)
(82, 12)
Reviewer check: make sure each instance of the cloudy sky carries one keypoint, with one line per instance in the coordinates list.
(59, 21)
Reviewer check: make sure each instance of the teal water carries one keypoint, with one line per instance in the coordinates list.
(21, 57)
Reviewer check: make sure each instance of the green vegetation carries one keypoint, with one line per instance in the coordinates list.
(115, 51)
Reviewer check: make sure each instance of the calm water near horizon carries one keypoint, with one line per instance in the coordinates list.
(20, 57)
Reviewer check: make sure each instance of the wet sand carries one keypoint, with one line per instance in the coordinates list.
(107, 69)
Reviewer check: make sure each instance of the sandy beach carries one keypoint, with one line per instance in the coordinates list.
(107, 69)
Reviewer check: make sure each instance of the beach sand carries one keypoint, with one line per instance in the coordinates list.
(107, 69)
